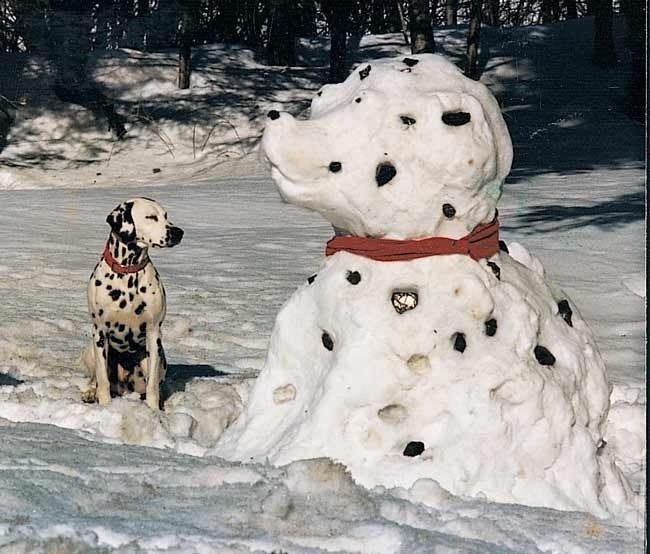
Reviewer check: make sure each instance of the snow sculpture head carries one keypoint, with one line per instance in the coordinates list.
(404, 148)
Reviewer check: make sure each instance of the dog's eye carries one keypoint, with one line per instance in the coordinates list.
(154, 217)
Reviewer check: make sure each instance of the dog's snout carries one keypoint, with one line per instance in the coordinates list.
(175, 235)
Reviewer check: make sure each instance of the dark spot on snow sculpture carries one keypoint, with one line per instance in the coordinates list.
(448, 210)
(503, 247)
(456, 119)
(364, 73)
(357, 100)
(319, 93)
(495, 269)
(565, 311)
(410, 62)
(328, 343)
(140, 308)
(353, 277)
(491, 327)
(311, 278)
(459, 342)
(403, 301)
(98, 283)
(335, 167)
(273, 115)
(600, 446)
(414, 448)
(384, 173)
(393, 413)
(407, 119)
(544, 356)
(115, 294)
(123, 304)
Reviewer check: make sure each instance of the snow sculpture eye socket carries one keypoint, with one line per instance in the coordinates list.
(407, 120)
(448, 210)
(459, 342)
(456, 119)
(384, 173)
(365, 72)
(413, 448)
(544, 355)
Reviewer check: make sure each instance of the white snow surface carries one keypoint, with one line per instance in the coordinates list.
(79, 478)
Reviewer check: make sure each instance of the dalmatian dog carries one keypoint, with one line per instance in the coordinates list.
(126, 299)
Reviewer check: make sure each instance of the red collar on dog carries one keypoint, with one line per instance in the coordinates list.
(482, 242)
(119, 268)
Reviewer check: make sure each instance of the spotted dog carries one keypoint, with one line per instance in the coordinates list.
(127, 303)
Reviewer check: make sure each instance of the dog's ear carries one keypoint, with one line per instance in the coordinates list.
(121, 222)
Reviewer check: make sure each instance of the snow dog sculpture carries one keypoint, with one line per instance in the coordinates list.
(423, 347)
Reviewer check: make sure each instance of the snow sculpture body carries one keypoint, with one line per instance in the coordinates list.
(477, 373)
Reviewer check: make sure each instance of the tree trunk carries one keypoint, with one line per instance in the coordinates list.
(188, 11)
(473, 38)
(377, 21)
(307, 19)
(393, 16)
(571, 9)
(603, 53)
(493, 13)
(420, 26)
(337, 13)
(635, 98)
(228, 17)
(281, 47)
(251, 23)
(547, 12)
(451, 9)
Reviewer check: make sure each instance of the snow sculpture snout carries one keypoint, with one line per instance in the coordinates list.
(384, 151)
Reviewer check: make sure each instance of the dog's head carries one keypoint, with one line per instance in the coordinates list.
(143, 222)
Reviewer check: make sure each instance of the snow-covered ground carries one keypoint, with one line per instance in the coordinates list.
(76, 477)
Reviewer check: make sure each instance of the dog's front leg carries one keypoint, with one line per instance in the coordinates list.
(153, 373)
(100, 345)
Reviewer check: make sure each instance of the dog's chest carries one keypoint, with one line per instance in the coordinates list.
(124, 305)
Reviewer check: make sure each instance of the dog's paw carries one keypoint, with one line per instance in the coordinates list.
(89, 396)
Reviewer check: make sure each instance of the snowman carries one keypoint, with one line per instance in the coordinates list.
(424, 347)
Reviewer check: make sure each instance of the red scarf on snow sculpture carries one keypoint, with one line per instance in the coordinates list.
(482, 242)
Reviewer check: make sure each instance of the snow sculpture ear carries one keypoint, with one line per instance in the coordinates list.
(498, 126)
(121, 222)
(477, 109)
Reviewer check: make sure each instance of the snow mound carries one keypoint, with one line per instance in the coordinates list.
(479, 375)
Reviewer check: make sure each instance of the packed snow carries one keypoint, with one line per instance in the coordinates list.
(400, 368)
(78, 477)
